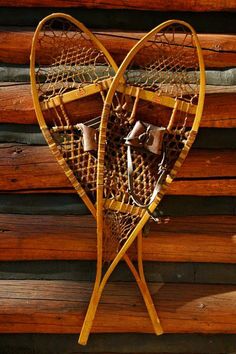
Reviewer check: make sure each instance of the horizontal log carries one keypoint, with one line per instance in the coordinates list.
(200, 163)
(211, 187)
(219, 51)
(16, 106)
(175, 239)
(61, 306)
(16, 102)
(205, 172)
(158, 5)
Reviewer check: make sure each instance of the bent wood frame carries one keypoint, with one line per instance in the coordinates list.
(115, 205)
(68, 97)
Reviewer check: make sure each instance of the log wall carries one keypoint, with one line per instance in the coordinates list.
(47, 237)
(179, 5)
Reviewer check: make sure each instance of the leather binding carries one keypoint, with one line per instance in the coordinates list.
(90, 137)
(147, 136)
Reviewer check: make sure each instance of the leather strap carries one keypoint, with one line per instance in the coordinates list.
(157, 188)
(146, 136)
(90, 134)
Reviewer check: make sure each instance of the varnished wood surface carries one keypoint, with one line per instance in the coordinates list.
(16, 106)
(175, 239)
(178, 5)
(219, 51)
(59, 307)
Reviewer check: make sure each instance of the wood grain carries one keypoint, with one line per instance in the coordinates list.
(16, 106)
(178, 5)
(34, 169)
(211, 187)
(175, 239)
(219, 51)
(59, 307)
